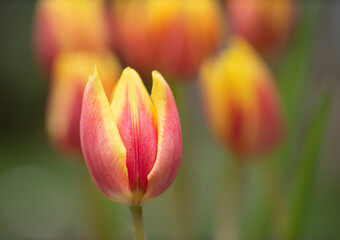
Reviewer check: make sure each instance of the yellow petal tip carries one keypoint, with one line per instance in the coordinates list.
(94, 73)
(157, 76)
(130, 73)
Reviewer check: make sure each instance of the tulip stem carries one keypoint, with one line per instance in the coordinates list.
(228, 225)
(137, 219)
(277, 199)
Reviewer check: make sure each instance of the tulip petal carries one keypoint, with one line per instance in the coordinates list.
(213, 91)
(63, 115)
(270, 124)
(137, 124)
(102, 146)
(169, 152)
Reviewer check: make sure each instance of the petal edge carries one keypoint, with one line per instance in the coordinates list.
(103, 149)
(169, 152)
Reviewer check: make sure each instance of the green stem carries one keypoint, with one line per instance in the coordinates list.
(137, 219)
(228, 225)
(277, 200)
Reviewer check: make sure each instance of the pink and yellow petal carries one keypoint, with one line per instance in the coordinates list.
(69, 77)
(102, 146)
(137, 125)
(169, 150)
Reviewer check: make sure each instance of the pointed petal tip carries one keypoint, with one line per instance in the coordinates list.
(155, 73)
(129, 70)
(158, 75)
(94, 73)
(158, 80)
(94, 79)
(130, 74)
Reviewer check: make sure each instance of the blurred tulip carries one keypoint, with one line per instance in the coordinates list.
(111, 21)
(265, 24)
(242, 103)
(132, 145)
(69, 78)
(174, 36)
(68, 25)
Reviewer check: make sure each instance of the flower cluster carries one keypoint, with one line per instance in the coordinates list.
(131, 140)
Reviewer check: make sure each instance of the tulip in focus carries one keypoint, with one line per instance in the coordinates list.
(174, 36)
(69, 78)
(132, 142)
(242, 103)
(265, 24)
(68, 25)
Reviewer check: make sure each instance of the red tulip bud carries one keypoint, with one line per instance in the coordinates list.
(131, 142)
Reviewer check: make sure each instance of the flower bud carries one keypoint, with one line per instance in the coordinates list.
(174, 36)
(132, 145)
(68, 25)
(242, 103)
(265, 24)
(69, 77)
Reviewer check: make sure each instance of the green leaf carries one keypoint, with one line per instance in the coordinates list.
(306, 168)
(293, 77)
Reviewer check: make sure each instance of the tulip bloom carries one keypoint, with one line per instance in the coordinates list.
(69, 77)
(68, 25)
(174, 36)
(132, 145)
(242, 103)
(265, 24)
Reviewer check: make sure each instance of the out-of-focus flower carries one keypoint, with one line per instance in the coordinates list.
(242, 103)
(68, 25)
(132, 145)
(111, 21)
(173, 36)
(265, 24)
(69, 78)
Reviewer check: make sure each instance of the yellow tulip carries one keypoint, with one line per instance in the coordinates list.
(241, 101)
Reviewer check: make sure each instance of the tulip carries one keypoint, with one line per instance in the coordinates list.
(68, 25)
(69, 78)
(265, 24)
(132, 145)
(111, 21)
(242, 103)
(174, 36)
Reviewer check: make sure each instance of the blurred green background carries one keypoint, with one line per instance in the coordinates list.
(41, 193)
